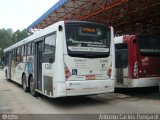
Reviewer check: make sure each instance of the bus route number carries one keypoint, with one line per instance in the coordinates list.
(48, 66)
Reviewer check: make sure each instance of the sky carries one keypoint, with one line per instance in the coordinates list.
(19, 14)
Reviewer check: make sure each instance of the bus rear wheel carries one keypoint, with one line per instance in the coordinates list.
(32, 87)
(24, 83)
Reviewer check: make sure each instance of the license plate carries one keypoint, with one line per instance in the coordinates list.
(90, 77)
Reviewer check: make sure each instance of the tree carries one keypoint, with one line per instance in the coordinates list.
(20, 35)
(8, 37)
(5, 39)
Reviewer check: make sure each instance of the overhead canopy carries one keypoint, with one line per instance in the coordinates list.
(126, 16)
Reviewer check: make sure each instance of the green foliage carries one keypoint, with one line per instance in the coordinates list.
(19, 35)
(8, 37)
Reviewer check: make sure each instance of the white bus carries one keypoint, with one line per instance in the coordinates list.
(68, 58)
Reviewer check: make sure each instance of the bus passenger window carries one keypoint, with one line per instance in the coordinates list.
(18, 54)
(25, 50)
(32, 48)
(15, 53)
(22, 53)
(29, 49)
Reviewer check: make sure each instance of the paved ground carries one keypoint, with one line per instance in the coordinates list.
(14, 100)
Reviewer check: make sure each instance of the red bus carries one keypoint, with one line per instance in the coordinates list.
(137, 59)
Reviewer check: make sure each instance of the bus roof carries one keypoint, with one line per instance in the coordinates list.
(39, 34)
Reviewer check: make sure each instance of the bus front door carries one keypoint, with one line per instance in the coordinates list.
(39, 50)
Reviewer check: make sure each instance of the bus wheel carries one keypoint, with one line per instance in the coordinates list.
(32, 87)
(24, 83)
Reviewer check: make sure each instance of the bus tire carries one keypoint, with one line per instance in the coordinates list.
(32, 87)
(24, 83)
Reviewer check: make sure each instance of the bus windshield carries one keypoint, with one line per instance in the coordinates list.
(149, 45)
(87, 40)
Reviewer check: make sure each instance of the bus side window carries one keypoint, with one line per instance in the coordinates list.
(14, 54)
(25, 50)
(32, 48)
(18, 54)
(22, 51)
(29, 49)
